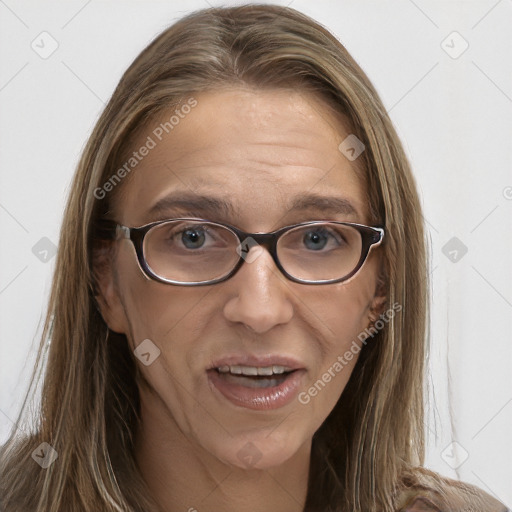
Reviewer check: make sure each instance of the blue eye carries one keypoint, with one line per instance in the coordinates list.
(317, 239)
(194, 236)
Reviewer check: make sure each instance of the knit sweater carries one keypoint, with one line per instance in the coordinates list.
(423, 490)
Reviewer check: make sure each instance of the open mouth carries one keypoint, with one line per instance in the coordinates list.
(253, 376)
(256, 387)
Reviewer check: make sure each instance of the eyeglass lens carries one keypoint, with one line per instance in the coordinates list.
(188, 251)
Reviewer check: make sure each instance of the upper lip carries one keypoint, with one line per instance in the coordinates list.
(258, 361)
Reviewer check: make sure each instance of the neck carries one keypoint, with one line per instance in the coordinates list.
(183, 477)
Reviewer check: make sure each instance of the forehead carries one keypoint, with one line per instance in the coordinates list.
(257, 150)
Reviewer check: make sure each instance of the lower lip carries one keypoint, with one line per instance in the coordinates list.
(258, 399)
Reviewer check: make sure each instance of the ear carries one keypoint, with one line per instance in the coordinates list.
(106, 289)
(379, 301)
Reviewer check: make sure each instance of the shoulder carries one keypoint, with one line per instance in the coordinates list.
(422, 490)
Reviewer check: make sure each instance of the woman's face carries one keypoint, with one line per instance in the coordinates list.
(259, 151)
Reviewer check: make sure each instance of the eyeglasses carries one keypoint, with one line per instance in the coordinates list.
(194, 252)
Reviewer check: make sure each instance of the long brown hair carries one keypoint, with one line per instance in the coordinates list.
(89, 405)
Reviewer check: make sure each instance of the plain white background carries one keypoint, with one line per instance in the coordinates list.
(444, 72)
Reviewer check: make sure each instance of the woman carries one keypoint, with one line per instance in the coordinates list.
(198, 364)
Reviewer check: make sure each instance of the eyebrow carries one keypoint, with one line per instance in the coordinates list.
(193, 203)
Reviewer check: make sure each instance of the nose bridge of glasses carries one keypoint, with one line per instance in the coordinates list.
(251, 240)
(266, 240)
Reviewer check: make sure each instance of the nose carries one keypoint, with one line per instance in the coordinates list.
(260, 296)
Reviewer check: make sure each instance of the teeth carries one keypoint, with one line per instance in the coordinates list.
(253, 370)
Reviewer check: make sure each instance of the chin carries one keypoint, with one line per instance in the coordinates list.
(262, 451)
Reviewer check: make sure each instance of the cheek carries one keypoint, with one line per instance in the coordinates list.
(173, 318)
(155, 310)
(346, 311)
(166, 316)
(344, 314)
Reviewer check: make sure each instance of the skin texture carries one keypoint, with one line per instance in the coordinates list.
(258, 149)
